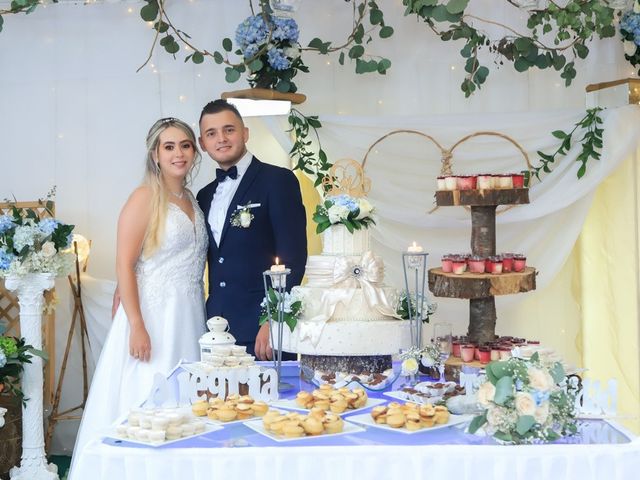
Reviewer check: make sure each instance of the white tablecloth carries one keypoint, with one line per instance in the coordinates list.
(450, 462)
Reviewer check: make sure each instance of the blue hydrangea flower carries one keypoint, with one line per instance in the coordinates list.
(285, 29)
(48, 226)
(346, 201)
(252, 30)
(24, 236)
(5, 259)
(630, 23)
(6, 223)
(277, 59)
(251, 50)
(540, 397)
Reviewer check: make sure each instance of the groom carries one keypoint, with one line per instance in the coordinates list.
(239, 251)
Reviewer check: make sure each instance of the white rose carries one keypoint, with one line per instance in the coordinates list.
(629, 48)
(525, 404)
(540, 380)
(48, 249)
(495, 416)
(292, 52)
(542, 413)
(365, 208)
(337, 213)
(486, 392)
(245, 219)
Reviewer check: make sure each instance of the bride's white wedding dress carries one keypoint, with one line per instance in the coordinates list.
(171, 293)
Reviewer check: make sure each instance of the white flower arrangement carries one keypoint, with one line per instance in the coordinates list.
(353, 212)
(526, 401)
(292, 308)
(29, 244)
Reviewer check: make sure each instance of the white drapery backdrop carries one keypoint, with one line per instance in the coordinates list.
(74, 114)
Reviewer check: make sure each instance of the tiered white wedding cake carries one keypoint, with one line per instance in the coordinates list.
(348, 311)
(349, 322)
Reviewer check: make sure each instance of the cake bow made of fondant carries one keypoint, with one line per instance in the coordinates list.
(366, 273)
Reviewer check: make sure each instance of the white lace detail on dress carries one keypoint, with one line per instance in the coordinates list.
(177, 265)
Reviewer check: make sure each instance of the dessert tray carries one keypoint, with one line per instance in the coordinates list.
(374, 382)
(367, 420)
(154, 435)
(427, 392)
(284, 427)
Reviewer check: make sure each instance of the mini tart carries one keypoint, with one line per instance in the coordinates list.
(326, 388)
(227, 414)
(216, 401)
(396, 420)
(312, 426)
(334, 425)
(244, 411)
(428, 422)
(323, 405)
(246, 399)
(212, 413)
(234, 397)
(277, 425)
(317, 412)
(442, 416)
(377, 411)
(339, 406)
(303, 399)
(259, 408)
(292, 430)
(269, 418)
(199, 409)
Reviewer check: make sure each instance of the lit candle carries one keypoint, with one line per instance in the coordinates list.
(277, 267)
(414, 248)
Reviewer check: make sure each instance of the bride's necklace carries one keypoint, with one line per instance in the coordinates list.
(178, 195)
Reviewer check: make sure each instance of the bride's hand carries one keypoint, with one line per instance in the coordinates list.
(140, 344)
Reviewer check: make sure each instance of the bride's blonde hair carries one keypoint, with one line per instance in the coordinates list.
(153, 178)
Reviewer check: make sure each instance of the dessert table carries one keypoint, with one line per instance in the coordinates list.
(602, 450)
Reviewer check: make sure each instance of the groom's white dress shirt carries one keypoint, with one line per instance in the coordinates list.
(223, 196)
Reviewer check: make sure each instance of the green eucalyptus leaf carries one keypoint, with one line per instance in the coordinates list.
(375, 16)
(197, 57)
(217, 57)
(227, 44)
(256, 65)
(504, 390)
(149, 12)
(356, 51)
(231, 74)
(341, 58)
(521, 64)
(386, 31)
(524, 423)
(477, 422)
(457, 6)
(172, 47)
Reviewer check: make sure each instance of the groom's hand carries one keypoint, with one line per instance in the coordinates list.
(262, 347)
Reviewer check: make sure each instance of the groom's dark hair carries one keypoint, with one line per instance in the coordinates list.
(218, 106)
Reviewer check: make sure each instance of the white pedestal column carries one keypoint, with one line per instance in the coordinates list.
(29, 290)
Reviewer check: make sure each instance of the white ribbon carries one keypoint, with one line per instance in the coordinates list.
(368, 273)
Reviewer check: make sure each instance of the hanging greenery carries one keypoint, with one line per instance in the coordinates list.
(266, 47)
(302, 154)
(555, 36)
(591, 142)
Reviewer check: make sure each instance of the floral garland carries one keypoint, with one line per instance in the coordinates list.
(630, 30)
(526, 401)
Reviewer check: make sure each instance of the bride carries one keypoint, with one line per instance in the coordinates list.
(161, 251)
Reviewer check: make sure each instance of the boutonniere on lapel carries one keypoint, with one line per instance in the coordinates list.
(242, 215)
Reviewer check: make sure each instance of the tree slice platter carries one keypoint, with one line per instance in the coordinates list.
(505, 196)
(480, 285)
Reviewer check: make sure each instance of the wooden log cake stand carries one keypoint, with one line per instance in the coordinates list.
(481, 289)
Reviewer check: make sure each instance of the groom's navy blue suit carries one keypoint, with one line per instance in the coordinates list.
(236, 264)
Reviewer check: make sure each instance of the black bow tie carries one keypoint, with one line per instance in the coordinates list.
(221, 175)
